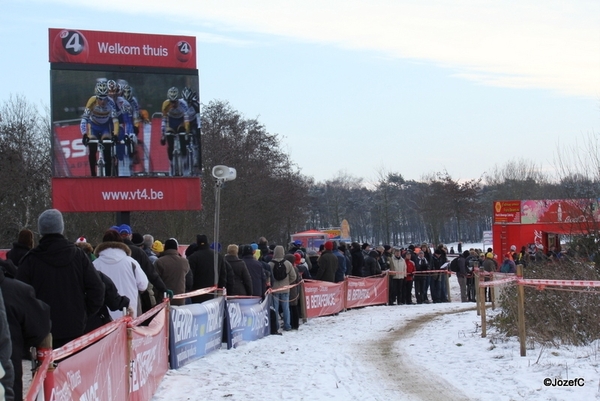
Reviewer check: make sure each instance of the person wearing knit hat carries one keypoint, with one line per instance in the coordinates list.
(51, 222)
(64, 278)
(201, 239)
(171, 243)
(158, 247)
(137, 239)
(174, 270)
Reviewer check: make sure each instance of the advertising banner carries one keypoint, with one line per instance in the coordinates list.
(323, 298)
(123, 49)
(195, 331)
(149, 356)
(105, 194)
(99, 373)
(366, 291)
(566, 211)
(507, 212)
(248, 319)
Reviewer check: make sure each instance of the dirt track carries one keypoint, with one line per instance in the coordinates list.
(406, 375)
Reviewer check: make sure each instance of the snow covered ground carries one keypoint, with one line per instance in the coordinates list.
(406, 352)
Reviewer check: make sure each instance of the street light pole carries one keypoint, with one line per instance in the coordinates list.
(222, 174)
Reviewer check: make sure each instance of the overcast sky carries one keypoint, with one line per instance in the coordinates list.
(364, 87)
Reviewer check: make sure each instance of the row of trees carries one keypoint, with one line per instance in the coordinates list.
(271, 197)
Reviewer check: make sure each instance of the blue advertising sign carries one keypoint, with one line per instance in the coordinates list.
(195, 330)
(248, 319)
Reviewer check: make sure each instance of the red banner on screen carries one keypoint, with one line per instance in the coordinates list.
(104, 194)
(366, 291)
(123, 49)
(323, 298)
(97, 373)
(71, 157)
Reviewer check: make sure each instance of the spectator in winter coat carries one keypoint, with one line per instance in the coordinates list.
(86, 247)
(328, 264)
(157, 290)
(398, 268)
(28, 321)
(301, 265)
(283, 296)
(256, 271)
(113, 301)
(203, 269)
(340, 273)
(174, 270)
(508, 266)
(21, 247)
(371, 267)
(358, 259)
(64, 278)
(436, 278)
(114, 260)
(489, 266)
(461, 275)
(242, 282)
(263, 247)
(408, 281)
(148, 241)
(420, 280)
(295, 294)
(7, 372)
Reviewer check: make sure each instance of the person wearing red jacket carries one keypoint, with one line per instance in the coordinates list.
(408, 280)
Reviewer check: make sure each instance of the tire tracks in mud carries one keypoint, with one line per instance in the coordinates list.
(405, 375)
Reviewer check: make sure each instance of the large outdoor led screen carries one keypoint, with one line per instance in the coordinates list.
(125, 112)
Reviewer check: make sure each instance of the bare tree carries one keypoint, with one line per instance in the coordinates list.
(25, 166)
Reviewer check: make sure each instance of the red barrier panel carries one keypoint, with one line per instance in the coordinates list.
(323, 298)
(149, 354)
(366, 291)
(97, 373)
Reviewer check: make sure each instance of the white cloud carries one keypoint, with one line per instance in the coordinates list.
(530, 43)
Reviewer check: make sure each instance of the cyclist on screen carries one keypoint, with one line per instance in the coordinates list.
(124, 114)
(99, 121)
(175, 119)
(191, 98)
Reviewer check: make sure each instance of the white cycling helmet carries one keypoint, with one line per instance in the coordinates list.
(173, 93)
(101, 89)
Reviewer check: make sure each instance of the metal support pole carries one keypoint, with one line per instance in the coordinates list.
(218, 186)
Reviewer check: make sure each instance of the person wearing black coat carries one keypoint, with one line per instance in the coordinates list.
(242, 282)
(358, 259)
(62, 276)
(112, 301)
(28, 321)
(21, 247)
(203, 269)
(371, 265)
(256, 271)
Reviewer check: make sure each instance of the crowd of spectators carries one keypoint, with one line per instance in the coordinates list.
(66, 289)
